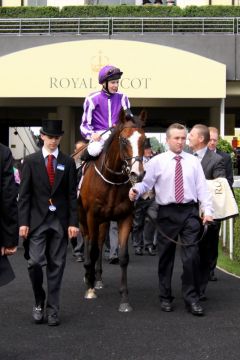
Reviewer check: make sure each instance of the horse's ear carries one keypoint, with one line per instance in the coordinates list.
(143, 117)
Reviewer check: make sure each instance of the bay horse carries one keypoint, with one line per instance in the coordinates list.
(103, 197)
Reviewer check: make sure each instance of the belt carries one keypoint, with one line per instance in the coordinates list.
(188, 204)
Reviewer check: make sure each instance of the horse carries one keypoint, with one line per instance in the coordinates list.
(103, 197)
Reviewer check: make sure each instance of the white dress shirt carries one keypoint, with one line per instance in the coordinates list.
(54, 153)
(160, 174)
(200, 153)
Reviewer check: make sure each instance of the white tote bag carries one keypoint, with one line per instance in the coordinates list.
(224, 203)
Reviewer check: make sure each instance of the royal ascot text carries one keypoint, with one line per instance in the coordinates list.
(89, 83)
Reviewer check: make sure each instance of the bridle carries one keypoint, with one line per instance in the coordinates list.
(127, 163)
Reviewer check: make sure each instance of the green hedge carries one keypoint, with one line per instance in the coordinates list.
(119, 11)
(29, 12)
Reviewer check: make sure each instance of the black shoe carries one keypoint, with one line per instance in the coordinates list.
(138, 251)
(150, 250)
(79, 258)
(114, 260)
(202, 297)
(53, 320)
(38, 314)
(166, 306)
(195, 309)
(212, 277)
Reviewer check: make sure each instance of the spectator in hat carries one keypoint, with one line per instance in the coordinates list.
(47, 218)
(78, 242)
(143, 229)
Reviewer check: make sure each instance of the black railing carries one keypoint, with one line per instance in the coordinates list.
(111, 26)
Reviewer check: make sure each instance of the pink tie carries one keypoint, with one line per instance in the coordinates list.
(179, 192)
(50, 169)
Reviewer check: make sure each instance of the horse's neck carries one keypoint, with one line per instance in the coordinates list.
(112, 156)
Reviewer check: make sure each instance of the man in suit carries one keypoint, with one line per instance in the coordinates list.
(8, 214)
(143, 230)
(47, 217)
(213, 167)
(212, 145)
(179, 184)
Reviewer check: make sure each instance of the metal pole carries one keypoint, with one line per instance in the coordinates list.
(224, 233)
(231, 238)
(222, 118)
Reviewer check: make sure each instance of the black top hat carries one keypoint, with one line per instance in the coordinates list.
(147, 143)
(52, 127)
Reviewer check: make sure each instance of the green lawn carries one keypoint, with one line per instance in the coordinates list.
(227, 264)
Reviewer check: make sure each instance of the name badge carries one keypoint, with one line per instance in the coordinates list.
(51, 206)
(60, 167)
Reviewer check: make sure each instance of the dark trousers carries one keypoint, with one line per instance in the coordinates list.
(77, 245)
(143, 229)
(47, 247)
(208, 248)
(179, 221)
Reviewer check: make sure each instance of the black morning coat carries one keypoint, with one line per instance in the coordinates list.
(35, 192)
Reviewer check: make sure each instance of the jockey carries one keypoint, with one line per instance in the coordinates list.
(101, 111)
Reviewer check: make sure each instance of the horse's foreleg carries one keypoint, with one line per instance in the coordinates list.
(124, 231)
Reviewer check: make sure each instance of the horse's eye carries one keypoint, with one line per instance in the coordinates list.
(124, 141)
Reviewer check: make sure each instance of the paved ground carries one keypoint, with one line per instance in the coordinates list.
(94, 329)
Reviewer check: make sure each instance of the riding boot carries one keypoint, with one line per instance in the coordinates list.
(86, 156)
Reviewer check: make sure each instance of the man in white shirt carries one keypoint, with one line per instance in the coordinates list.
(180, 186)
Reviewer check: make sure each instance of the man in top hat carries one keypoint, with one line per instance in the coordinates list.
(143, 230)
(47, 218)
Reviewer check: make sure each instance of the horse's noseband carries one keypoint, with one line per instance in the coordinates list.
(127, 166)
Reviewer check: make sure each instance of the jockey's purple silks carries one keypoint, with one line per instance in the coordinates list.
(101, 111)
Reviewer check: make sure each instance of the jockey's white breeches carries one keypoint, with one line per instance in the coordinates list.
(95, 147)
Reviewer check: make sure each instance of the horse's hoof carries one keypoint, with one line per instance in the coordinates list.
(125, 307)
(99, 285)
(90, 294)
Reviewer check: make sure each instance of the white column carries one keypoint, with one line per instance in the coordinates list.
(223, 230)
(222, 118)
(65, 113)
(231, 238)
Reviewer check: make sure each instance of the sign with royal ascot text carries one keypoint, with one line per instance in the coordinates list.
(70, 70)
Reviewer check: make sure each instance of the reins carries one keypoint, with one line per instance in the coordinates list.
(160, 231)
(108, 181)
